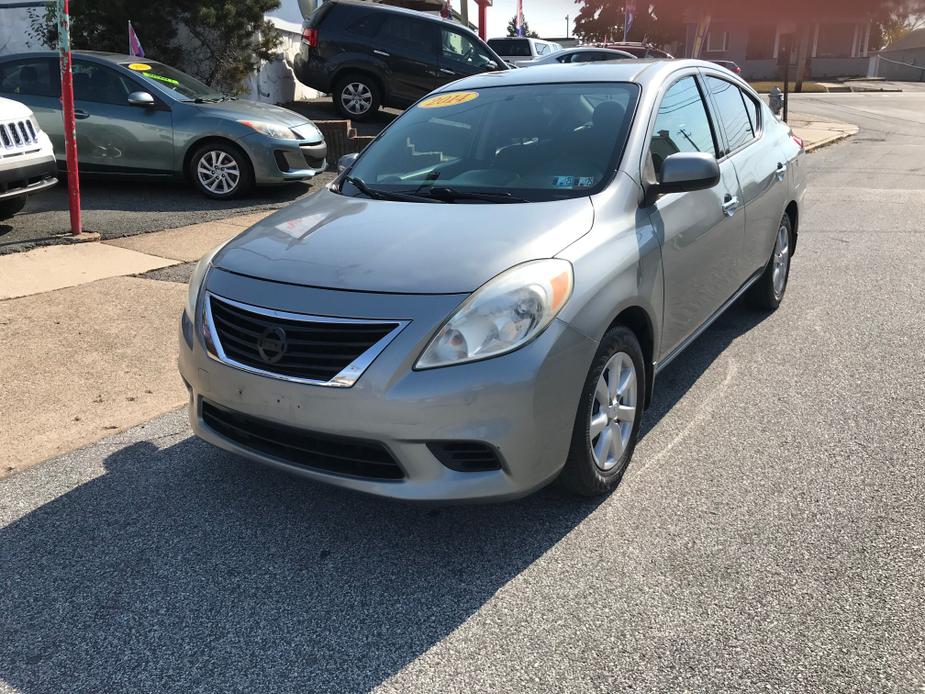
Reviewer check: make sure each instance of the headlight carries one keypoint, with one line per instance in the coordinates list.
(504, 314)
(277, 132)
(196, 279)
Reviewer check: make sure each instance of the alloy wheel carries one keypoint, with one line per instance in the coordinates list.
(613, 411)
(218, 172)
(356, 98)
(781, 261)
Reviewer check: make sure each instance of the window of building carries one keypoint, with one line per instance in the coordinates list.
(717, 40)
(760, 44)
(835, 40)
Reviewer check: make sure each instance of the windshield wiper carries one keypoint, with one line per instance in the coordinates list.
(452, 194)
(377, 194)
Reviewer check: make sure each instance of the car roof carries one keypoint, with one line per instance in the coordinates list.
(640, 70)
(377, 7)
(114, 58)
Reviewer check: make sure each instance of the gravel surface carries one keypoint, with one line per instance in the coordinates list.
(769, 535)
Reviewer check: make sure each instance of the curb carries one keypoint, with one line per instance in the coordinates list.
(829, 141)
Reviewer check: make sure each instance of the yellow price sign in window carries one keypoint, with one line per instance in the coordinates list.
(451, 99)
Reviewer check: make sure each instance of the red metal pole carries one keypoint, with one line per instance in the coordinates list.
(483, 19)
(70, 124)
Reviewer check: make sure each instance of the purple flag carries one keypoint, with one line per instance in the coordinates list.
(134, 45)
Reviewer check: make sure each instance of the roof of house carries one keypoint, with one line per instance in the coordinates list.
(912, 40)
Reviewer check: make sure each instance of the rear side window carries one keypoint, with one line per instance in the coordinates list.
(37, 77)
(682, 124)
(409, 34)
(754, 112)
(510, 47)
(730, 102)
(367, 25)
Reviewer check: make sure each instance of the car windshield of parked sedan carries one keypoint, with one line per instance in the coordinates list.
(524, 143)
(178, 84)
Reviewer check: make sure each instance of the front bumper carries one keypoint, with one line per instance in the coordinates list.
(521, 405)
(279, 161)
(28, 179)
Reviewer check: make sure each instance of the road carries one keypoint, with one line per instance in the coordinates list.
(769, 535)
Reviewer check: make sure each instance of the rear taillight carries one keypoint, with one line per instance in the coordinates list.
(310, 36)
(798, 140)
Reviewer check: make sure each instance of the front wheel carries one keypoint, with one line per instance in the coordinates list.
(221, 171)
(11, 206)
(608, 418)
(768, 291)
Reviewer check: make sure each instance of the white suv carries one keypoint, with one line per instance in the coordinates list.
(517, 51)
(27, 159)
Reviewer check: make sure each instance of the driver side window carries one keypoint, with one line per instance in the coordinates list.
(462, 49)
(682, 124)
(97, 83)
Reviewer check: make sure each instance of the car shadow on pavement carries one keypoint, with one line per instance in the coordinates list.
(188, 569)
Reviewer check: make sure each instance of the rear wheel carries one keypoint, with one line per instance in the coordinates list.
(221, 171)
(11, 206)
(357, 97)
(608, 418)
(768, 291)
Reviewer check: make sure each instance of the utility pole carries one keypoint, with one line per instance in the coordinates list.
(70, 124)
(566, 26)
(464, 12)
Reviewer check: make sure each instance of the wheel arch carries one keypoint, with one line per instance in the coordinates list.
(793, 212)
(211, 139)
(637, 319)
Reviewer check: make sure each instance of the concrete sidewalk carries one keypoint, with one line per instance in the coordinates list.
(89, 341)
(88, 332)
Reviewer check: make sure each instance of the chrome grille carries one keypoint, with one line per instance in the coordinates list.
(292, 346)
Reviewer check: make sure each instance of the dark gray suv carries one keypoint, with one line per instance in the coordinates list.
(367, 55)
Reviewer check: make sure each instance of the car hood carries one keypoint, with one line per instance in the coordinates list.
(339, 242)
(245, 109)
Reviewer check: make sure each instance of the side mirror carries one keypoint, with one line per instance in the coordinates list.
(346, 161)
(141, 99)
(684, 172)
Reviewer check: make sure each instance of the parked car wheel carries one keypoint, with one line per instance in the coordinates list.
(357, 97)
(221, 171)
(768, 291)
(10, 207)
(609, 414)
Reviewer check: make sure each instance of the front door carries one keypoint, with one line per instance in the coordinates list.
(408, 47)
(702, 232)
(461, 56)
(112, 135)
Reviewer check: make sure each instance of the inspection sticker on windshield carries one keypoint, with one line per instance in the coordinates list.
(453, 99)
(573, 181)
(139, 67)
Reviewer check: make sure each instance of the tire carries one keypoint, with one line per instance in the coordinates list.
(592, 467)
(769, 290)
(235, 175)
(12, 206)
(357, 96)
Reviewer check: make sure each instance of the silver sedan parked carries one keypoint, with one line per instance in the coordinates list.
(481, 303)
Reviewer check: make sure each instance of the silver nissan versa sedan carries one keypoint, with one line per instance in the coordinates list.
(481, 302)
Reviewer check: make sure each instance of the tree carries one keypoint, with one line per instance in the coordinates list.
(512, 28)
(900, 21)
(218, 41)
(602, 20)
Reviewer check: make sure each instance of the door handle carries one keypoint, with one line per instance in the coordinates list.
(730, 205)
(80, 114)
(447, 72)
(780, 171)
(378, 52)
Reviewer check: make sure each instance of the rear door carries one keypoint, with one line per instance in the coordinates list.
(408, 47)
(702, 231)
(36, 82)
(462, 55)
(759, 166)
(114, 136)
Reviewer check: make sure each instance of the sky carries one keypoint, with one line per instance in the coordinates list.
(545, 17)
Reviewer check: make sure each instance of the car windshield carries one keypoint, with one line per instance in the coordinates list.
(529, 143)
(178, 84)
(510, 47)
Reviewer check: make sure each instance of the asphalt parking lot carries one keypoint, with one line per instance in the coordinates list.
(769, 535)
(124, 208)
